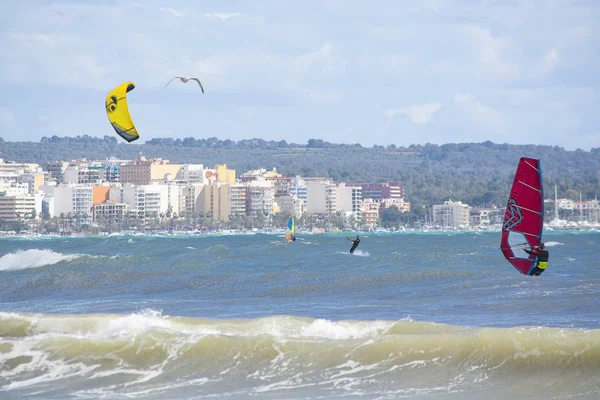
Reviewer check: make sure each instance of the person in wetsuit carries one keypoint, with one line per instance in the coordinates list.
(542, 258)
(293, 238)
(355, 243)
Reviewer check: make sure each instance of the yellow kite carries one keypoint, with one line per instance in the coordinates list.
(118, 112)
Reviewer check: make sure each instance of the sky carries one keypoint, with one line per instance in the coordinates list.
(370, 72)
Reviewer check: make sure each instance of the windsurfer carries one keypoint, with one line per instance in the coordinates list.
(355, 243)
(542, 258)
(293, 238)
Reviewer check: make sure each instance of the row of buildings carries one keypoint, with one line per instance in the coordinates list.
(108, 190)
(100, 192)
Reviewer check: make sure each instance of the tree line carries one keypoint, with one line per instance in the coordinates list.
(479, 174)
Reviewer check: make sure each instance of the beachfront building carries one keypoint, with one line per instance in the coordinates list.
(214, 201)
(451, 214)
(15, 169)
(259, 174)
(237, 195)
(56, 169)
(73, 200)
(370, 212)
(590, 210)
(225, 175)
(400, 204)
(291, 205)
(11, 188)
(151, 201)
(298, 188)
(189, 198)
(381, 191)
(349, 200)
(20, 206)
(100, 194)
(90, 173)
(109, 211)
(192, 174)
(260, 197)
(24, 173)
(483, 216)
(143, 171)
(321, 196)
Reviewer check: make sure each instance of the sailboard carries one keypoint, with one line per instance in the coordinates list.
(290, 229)
(524, 217)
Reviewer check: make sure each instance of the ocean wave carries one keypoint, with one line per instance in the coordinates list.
(537, 345)
(148, 352)
(33, 258)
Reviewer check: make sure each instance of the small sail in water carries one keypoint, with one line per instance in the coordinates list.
(289, 232)
(524, 217)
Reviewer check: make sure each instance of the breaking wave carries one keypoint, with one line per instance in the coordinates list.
(34, 258)
(144, 353)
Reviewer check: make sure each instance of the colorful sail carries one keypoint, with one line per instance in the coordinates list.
(289, 232)
(524, 217)
(118, 112)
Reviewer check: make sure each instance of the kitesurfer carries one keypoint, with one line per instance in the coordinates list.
(542, 258)
(355, 243)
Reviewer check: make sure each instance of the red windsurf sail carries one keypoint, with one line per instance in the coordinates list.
(524, 216)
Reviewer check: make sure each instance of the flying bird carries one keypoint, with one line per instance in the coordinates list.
(186, 79)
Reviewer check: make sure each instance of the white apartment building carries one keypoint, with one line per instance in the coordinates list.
(321, 197)
(260, 197)
(298, 188)
(192, 173)
(151, 201)
(20, 206)
(110, 211)
(72, 199)
(83, 175)
(237, 194)
(13, 188)
(349, 200)
(452, 214)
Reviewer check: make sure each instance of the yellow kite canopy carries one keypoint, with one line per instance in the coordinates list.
(118, 112)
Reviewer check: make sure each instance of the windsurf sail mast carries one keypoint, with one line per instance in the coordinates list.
(524, 216)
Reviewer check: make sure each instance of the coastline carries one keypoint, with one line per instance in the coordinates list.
(280, 232)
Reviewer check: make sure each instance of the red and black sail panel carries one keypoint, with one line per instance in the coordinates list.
(524, 215)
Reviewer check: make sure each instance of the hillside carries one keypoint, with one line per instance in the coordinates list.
(477, 173)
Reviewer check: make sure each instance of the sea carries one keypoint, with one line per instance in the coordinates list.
(409, 315)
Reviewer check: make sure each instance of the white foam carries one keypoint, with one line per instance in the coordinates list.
(33, 258)
(323, 328)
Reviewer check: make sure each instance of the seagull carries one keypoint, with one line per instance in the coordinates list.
(186, 79)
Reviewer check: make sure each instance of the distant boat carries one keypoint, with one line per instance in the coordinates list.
(524, 216)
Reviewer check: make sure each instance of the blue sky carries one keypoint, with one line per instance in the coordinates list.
(379, 72)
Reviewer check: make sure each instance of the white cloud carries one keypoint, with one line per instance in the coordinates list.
(489, 51)
(478, 112)
(418, 114)
(223, 16)
(315, 64)
(173, 12)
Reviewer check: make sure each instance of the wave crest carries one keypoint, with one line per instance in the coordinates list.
(33, 258)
